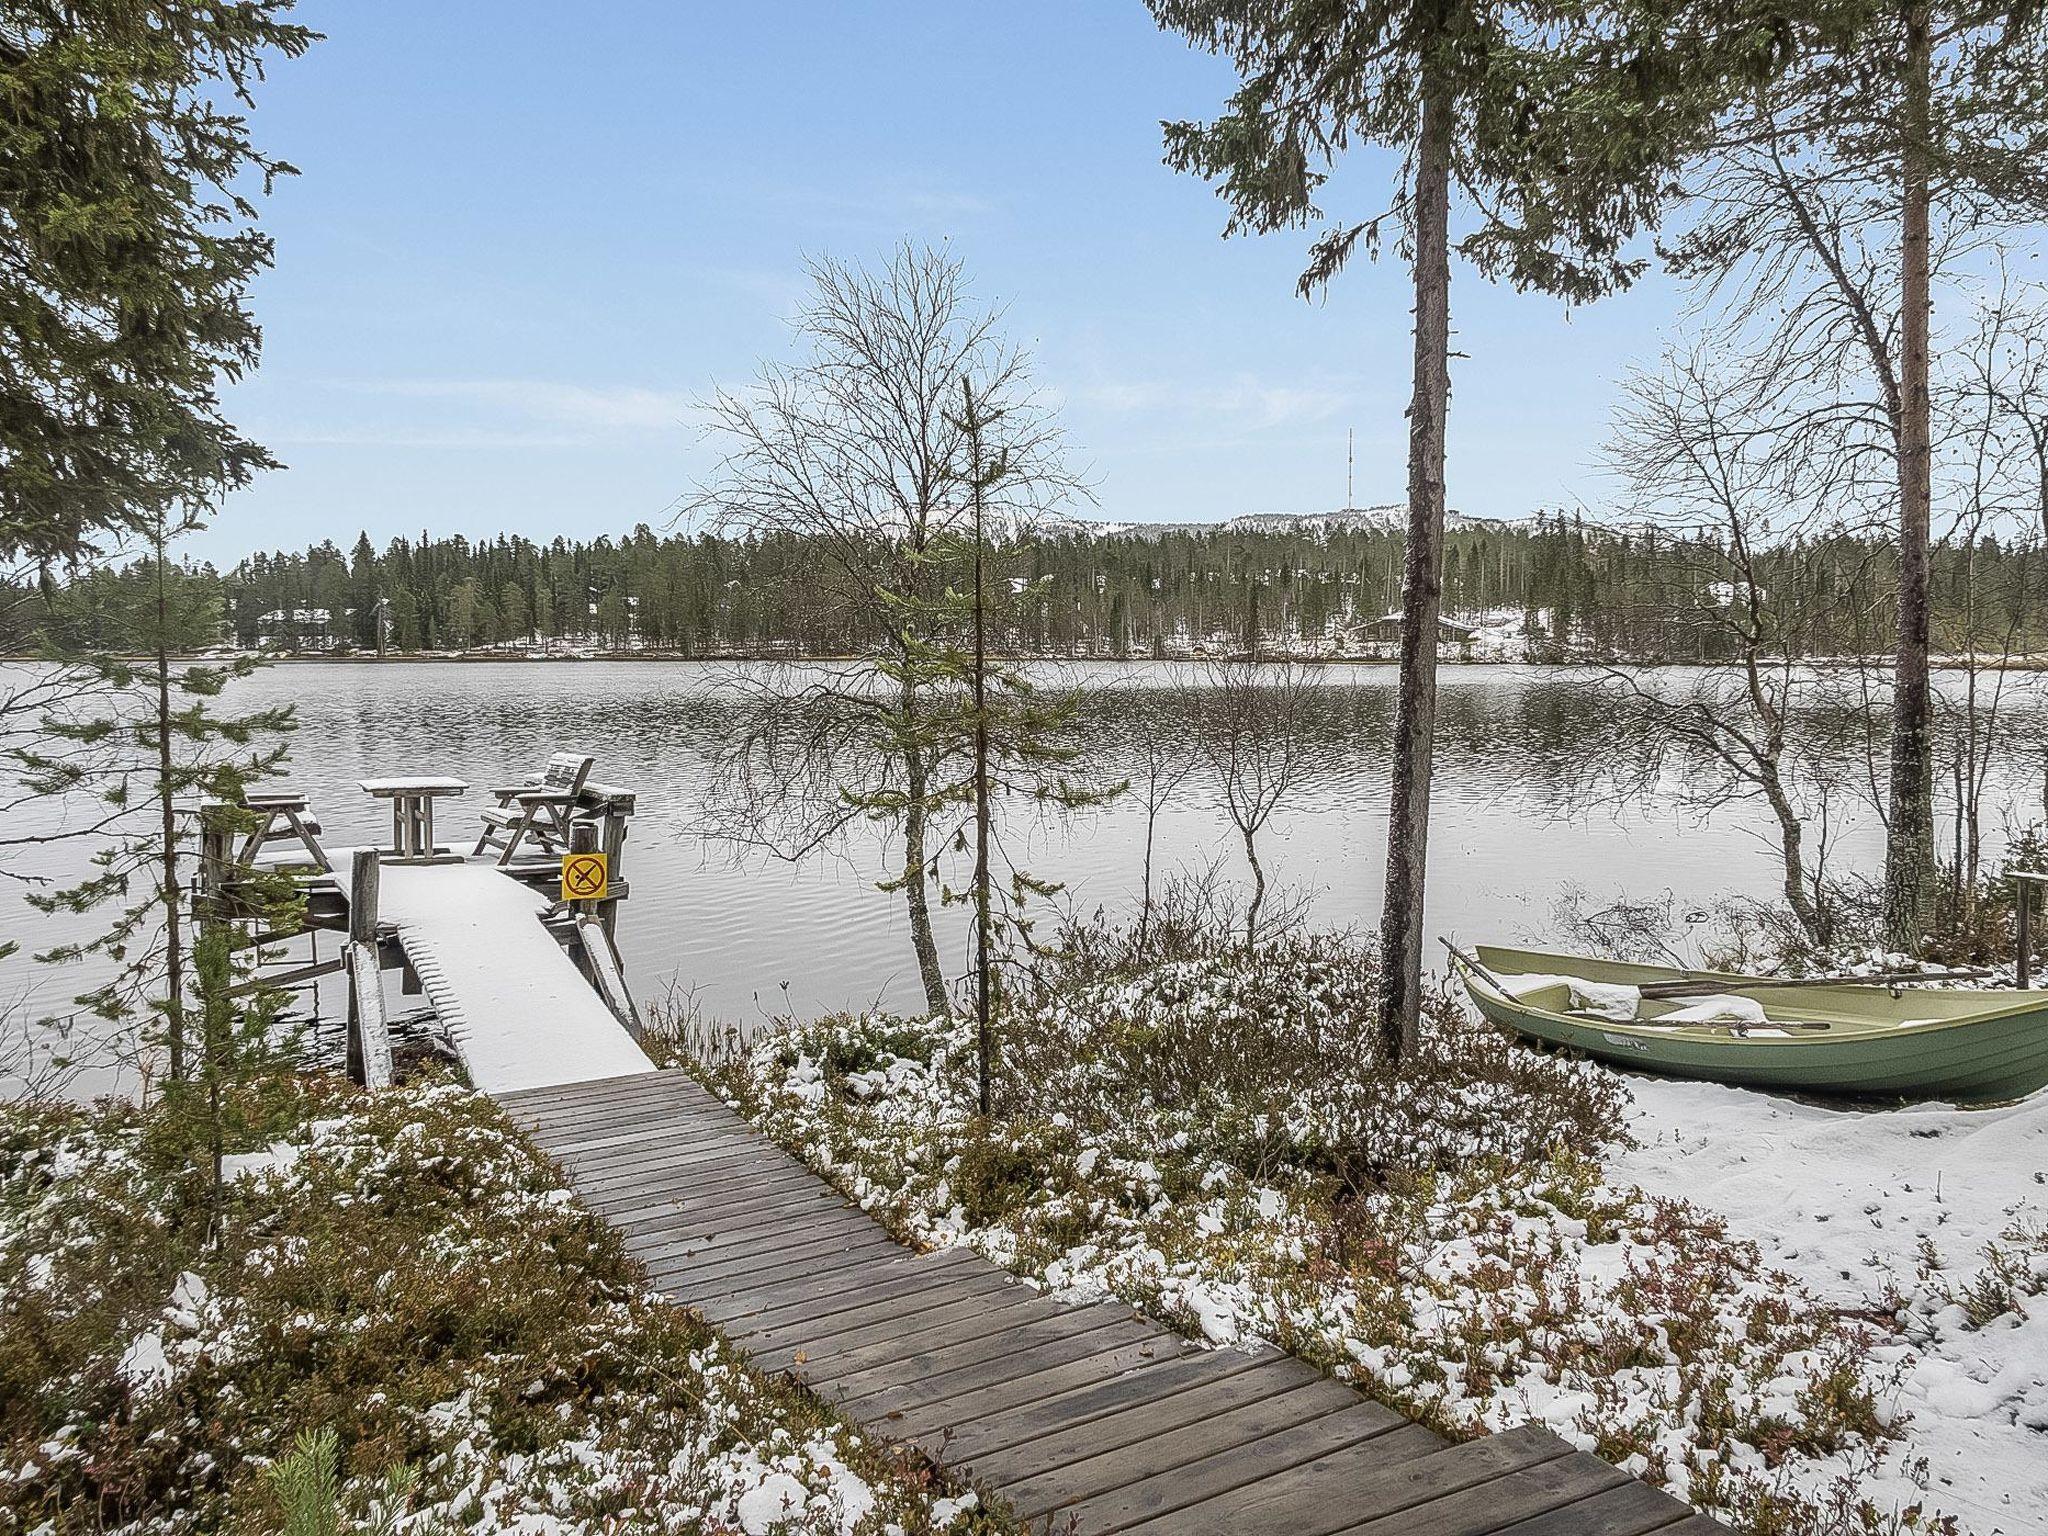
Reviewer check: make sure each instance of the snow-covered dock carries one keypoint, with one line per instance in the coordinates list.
(513, 943)
(513, 1003)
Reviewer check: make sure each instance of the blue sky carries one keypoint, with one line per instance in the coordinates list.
(528, 236)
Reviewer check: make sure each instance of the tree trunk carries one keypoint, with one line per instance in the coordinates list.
(1909, 850)
(1422, 595)
(1145, 910)
(1792, 850)
(983, 1044)
(174, 938)
(1251, 913)
(914, 893)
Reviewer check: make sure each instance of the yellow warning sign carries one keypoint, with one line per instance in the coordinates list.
(585, 876)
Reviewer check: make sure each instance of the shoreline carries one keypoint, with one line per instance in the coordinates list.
(2028, 663)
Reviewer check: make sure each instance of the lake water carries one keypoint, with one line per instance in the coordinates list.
(752, 937)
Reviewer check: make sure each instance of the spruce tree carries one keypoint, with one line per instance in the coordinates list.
(155, 754)
(1558, 128)
(127, 246)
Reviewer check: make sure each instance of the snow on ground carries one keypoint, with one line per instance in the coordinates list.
(1850, 1202)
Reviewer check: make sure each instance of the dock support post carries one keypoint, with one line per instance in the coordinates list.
(600, 954)
(369, 1034)
(216, 840)
(614, 855)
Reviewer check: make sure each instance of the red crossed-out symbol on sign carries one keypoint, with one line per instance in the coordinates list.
(583, 874)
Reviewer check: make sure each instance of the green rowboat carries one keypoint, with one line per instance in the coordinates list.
(1837, 1039)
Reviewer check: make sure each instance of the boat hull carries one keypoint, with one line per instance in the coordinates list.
(1998, 1052)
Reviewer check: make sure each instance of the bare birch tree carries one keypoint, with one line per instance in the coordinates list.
(1257, 737)
(1159, 756)
(857, 447)
(1839, 199)
(1708, 451)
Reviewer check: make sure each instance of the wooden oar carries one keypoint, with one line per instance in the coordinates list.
(1707, 986)
(1472, 964)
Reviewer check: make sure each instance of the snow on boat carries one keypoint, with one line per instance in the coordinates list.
(1838, 1038)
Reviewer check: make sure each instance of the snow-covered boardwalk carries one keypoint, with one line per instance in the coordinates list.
(1084, 1419)
(514, 1005)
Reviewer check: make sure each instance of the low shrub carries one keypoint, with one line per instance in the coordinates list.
(401, 1285)
(1212, 1134)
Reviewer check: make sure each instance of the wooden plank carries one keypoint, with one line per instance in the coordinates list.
(1633, 1509)
(773, 1231)
(719, 1246)
(923, 1425)
(765, 1307)
(1190, 1410)
(1153, 1502)
(647, 1093)
(908, 1328)
(525, 1102)
(1355, 1483)
(769, 1305)
(778, 1242)
(738, 1207)
(666, 1132)
(677, 1168)
(530, 1104)
(1539, 1490)
(366, 990)
(737, 1190)
(789, 1207)
(700, 1284)
(608, 1119)
(852, 1267)
(626, 1208)
(608, 974)
(815, 1336)
(927, 1339)
(687, 1152)
(1103, 1344)
(1080, 1406)
(1040, 1490)
(711, 1181)
(924, 1377)
(690, 1164)
(888, 1318)
(665, 1093)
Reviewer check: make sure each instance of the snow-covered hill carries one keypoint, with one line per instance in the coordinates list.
(1391, 518)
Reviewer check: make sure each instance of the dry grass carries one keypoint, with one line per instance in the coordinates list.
(416, 1280)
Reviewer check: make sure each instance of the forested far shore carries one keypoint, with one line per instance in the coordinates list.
(1553, 587)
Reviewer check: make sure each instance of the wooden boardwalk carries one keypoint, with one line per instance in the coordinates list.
(1082, 1419)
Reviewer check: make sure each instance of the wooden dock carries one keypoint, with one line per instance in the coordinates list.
(524, 978)
(1086, 1420)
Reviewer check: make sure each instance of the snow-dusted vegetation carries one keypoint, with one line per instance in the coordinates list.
(410, 1276)
(1207, 1136)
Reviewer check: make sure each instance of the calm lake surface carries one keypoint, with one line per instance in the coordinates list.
(751, 936)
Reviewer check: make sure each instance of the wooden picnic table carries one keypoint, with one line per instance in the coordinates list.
(412, 814)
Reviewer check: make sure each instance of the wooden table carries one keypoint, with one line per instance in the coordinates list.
(412, 815)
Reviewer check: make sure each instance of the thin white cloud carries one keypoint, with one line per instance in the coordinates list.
(416, 437)
(1243, 401)
(890, 206)
(578, 407)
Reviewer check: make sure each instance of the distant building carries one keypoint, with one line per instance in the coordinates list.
(1386, 630)
(297, 629)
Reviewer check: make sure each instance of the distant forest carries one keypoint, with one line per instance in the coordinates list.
(1575, 587)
